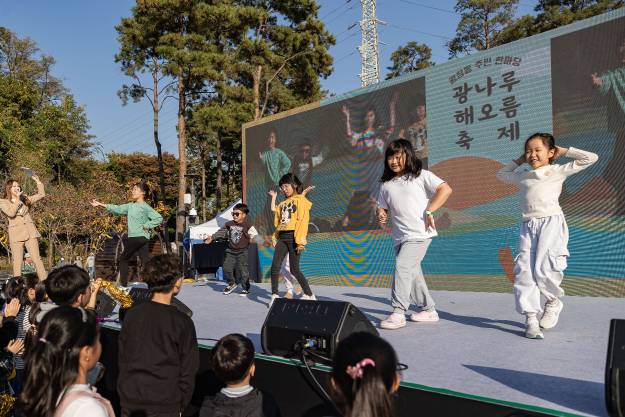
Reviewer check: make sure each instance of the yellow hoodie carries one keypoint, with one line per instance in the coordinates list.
(293, 214)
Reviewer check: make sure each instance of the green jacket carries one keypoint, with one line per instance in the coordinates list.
(141, 217)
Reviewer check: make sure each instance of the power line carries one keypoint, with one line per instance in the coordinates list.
(334, 10)
(427, 6)
(418, 31)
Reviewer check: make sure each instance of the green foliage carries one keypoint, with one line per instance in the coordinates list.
(408, 58)
(481, 24)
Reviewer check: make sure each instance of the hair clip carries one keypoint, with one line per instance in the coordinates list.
(356, 371)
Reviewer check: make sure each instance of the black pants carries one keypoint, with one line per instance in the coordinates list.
(237, 260)
(132, 245)
(286, 245)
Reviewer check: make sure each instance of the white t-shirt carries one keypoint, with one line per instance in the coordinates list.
(84, 405)
(406, 200)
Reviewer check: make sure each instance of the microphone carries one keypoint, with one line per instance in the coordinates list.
(23, 198)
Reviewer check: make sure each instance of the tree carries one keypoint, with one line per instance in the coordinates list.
(481, 24)
(408, 58)
(555, 13)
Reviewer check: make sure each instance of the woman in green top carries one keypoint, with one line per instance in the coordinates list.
(141, 220)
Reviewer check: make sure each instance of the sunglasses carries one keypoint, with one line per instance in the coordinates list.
(236, 213)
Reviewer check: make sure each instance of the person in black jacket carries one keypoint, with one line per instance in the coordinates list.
(9, 344)
(158, 351)
(233, 363)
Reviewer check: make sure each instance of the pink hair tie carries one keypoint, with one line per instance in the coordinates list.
(355, 371)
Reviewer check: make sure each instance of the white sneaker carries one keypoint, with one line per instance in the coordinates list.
(532, 328)
(551, 314)
(273, 297)
(309, 297)
(394, 321)
(425, 316)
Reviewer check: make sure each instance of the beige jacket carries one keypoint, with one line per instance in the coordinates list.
(21, 225)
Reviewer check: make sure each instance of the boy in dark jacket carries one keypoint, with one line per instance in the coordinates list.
(233, 363)
(239, 233)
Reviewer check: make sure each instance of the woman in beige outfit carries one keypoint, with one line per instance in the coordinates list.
(22, 231)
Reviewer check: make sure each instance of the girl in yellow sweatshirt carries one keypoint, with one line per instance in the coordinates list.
(291, 220)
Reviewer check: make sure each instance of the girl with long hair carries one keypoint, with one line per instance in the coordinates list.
(142, 218)
(55, 383)
(365, 376)
(22, 231)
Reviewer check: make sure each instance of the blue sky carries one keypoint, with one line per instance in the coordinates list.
(81, 36)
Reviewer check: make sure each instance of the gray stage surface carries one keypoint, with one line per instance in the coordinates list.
(476, 348)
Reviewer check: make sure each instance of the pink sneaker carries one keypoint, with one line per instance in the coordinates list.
(394, 321)
(425, 316)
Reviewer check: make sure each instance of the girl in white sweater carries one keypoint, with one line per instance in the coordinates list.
(542, 249)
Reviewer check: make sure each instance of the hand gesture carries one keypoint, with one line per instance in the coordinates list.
(521, 159)
(95, 285)
(299, 249)
(96, 203)
(260, 155)
(208, 239)
(15, 346)
(308, 189)
(429, 222)
(12, 308)
(596, 80)
(272, 193)
(36, 179)
(382, 216)
(560, 151)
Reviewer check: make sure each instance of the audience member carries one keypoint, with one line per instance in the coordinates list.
(233, 363)
(55, 376)
(158, 352)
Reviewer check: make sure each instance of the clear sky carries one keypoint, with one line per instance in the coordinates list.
(81, 36)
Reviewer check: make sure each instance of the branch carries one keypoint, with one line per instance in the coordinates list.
(273, 77)
(163, 101)
(166, 86)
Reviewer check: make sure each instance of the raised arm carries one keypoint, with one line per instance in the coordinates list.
(41, 192)
(348, 125)
(507, 172)
(581, 160)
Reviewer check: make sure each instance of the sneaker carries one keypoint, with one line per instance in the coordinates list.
(244, 293)
(532, 328)
(273, 297)
(289, 294)
(551, 314)
(309, 297)
(229, 289)
(425, 316)
(394, 321)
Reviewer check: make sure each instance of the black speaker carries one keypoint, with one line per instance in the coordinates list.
(615, 370)
(104, 305)
(321, 324)
(139, 295)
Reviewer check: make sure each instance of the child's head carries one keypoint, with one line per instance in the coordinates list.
(272, 139)
(290, 185)
(240, 212)
(370, 117)
(15, 287)
(140, 191)
(67, 345)
(364, 375)
(163, 274)
(233, 359)
(69, 285)
(540, 149)
(400, 160)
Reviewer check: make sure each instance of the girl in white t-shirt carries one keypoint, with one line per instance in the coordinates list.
(67, 346)
(544, 237)
(409, 195)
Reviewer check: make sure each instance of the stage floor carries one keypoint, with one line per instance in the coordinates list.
(476, 348)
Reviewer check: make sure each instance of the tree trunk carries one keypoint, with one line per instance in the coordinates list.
(182, 159)
(203, 188)
(218, 193)
(256, 89)
(159, 153)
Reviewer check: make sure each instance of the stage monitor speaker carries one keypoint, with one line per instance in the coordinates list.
(615, 370)
(140, 295)
(104, 305)
(291, 323)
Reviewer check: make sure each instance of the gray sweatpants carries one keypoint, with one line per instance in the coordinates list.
(408, 283)
(539, 266)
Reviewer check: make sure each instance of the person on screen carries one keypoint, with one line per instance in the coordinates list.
(409, 196)
(611, 85)
(417, 134)
(276, 164)
(542, 251)
(291, 220)
(367, 146)
(304, 162)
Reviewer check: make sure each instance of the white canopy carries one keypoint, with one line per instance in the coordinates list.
(211, 226)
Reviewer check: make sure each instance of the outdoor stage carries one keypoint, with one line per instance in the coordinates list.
(477, 348)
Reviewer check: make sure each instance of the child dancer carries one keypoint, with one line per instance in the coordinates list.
(544, 235)
(291, 220)
(410, 195)
(239, 233)
(141, 220)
